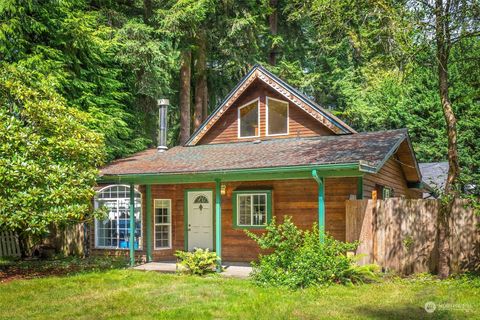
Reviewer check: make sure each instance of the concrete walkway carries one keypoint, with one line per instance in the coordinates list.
(230, 269)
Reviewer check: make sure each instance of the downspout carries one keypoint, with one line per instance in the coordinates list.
(218, 224)
(321, 204)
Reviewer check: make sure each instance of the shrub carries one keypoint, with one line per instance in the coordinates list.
(198, 262)
(298, 259)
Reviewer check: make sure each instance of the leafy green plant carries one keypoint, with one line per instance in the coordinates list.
(408, 243)
(362, 274)
(199, 262)
(299, 259)
(48, 157)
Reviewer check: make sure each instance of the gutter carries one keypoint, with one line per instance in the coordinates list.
(254, 174)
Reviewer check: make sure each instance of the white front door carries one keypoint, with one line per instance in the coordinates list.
(200, 220)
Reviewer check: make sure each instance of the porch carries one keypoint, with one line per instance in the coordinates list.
(305, 194)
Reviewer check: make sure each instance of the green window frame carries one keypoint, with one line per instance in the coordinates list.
(254, 199)
(387, 192)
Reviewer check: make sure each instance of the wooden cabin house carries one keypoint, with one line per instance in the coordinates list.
(266, 151)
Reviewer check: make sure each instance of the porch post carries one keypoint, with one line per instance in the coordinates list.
(218, 223)
(132, 225)
(148, 191)
(321, 204)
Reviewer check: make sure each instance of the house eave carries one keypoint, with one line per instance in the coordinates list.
(254, 174)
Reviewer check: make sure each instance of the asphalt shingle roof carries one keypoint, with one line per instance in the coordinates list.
(371, 147)
(434, 174)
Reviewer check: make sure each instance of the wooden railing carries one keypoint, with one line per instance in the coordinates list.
(9, 244)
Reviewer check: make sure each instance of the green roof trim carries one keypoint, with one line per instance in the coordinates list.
(257, 174)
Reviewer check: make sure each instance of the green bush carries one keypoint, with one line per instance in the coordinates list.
(297, 258)
(198, 262)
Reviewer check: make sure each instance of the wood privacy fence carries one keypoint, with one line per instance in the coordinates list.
(401, 234)
(9, 244)
(68, 240)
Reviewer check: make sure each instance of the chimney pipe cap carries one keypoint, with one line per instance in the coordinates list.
(163, 102)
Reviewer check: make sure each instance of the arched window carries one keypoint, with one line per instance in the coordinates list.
(201, 199)
(114, 231)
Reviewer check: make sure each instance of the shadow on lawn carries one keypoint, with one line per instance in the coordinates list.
(29, 269)
(405, 312)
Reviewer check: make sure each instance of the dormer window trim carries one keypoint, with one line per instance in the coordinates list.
(266, 116)
(239, 119)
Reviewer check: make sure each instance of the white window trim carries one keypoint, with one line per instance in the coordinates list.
(238, 118)
(162, 224)
(288, 118)
(251, 209)
(97, 246)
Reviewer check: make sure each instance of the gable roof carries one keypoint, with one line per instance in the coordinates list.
(291, 94)
(368, 151)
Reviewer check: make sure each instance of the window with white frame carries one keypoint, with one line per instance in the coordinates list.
(163, 223)
(277, 117)
(252, 209)
(114, 231)
(248, 120)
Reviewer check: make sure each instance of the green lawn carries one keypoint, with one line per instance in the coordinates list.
(124, 294)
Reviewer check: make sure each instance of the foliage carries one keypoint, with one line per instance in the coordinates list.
(298, 259)
(82, 50)
(199, 262)
(48, 156)
(375, 69)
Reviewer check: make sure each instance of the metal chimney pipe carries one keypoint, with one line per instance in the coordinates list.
(162, 124)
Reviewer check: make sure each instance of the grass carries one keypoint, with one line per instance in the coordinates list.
(129, 294)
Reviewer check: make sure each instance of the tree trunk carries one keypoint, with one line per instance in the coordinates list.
(200, 79)
(147, 10)
(443, 47)
(205, 102)
(185, 74)
(23, 244)
(273, 22)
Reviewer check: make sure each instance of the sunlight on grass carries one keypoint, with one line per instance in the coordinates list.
(149, 295)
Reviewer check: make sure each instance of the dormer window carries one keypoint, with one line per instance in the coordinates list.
(249, 120)
(277, 117)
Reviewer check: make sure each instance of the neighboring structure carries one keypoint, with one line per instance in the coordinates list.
(434, 174)
(267, 151)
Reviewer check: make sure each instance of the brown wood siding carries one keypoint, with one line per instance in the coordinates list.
(390, 175)
(226, 128)
(295, 198)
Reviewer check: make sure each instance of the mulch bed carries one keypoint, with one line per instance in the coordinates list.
(10, 273)
(35, 268)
